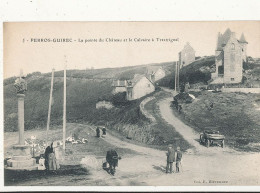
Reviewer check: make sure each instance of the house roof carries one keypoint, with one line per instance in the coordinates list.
(242, 38)
(223, 39)
(187, 47)
(136, 79)
(118, 83)
(152, 69)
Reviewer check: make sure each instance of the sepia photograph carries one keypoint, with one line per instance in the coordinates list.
(131, 103)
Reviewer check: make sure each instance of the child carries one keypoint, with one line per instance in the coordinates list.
(41, 163)
(178, 159)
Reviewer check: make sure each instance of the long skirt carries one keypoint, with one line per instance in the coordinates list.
(52, 162)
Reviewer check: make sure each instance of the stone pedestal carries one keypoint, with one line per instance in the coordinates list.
(22, 159)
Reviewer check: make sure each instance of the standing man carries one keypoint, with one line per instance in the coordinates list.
(178, 159)
(98, 132)
(112, 160)
(170, 158)
(104, 130)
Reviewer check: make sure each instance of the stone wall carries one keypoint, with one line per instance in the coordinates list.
(144, 112)
(244, 90)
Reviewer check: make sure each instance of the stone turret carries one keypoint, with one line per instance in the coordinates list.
(243, 44)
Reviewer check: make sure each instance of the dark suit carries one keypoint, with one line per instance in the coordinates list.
(112, 160)
(170, 159)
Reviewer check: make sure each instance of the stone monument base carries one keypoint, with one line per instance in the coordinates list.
(22, 159)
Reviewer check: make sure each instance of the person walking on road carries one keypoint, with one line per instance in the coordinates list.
(112, 159)
(170, 159)
(178, 159)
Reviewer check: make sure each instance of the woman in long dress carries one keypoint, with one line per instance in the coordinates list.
(50, 158)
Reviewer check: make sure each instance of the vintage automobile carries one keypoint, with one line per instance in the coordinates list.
(211, 136)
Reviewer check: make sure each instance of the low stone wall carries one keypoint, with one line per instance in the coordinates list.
(144, 112)
(244, 90)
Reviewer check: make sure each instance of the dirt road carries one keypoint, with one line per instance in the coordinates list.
(201, 166)
(187, 132)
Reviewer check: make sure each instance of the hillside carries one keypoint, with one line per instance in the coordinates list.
(236, 115)
(84, 89)
(196, 72)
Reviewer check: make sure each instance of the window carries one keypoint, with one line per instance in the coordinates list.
(233, 46)
(183, 62)
(242, 50)
(232, 79)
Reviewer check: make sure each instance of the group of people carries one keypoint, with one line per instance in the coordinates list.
(112, 158)
(177, 105)
(173, 156)
(98, 131)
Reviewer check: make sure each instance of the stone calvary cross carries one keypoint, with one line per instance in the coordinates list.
(22, 159)
(21, 86)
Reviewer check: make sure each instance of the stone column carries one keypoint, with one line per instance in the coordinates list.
(22, 158)
(21, 118)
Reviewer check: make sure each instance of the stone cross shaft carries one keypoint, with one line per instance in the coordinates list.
(21, 86)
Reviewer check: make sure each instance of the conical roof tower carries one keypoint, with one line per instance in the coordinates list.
(243, 39)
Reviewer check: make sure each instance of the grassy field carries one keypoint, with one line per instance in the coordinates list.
(235, 114)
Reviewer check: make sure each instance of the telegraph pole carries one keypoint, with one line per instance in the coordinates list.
(175, 83)
(64, 106)
(50, 103)
(177, 77)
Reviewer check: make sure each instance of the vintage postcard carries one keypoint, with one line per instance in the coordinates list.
(131, 103)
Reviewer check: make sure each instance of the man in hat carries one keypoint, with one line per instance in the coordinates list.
(112, 159)
(178, 159)
(170, 158)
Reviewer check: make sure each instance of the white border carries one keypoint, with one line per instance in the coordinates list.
(123, 10)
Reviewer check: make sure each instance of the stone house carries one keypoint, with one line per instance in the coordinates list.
(155, 73)
(186, 56)
(229, 56)
(138, 87)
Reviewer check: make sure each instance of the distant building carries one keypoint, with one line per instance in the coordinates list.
(119, 86)
(138, 87)
(186, 56)
(155, 73)
(229, 56)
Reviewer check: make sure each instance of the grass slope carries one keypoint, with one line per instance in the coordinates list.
(235, 114)
(84, 89)
(196, 72)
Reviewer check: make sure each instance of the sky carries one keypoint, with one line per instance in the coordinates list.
(24, 49)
